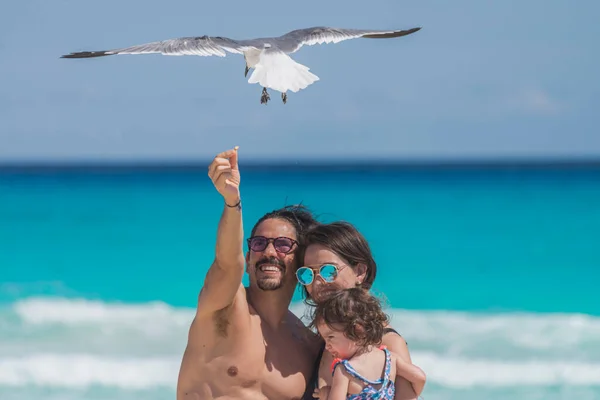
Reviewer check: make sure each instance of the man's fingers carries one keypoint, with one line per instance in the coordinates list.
(234, 158)
(226, 157)
(222, 170)
(228, 153)
(217, 162)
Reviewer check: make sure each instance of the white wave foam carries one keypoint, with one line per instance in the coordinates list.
(536, 331)
(82, 371)
(75, 325)
(516, 335)
(460, 372)
(528, 330)
(80, 311)
(500, 335)
(79, 343)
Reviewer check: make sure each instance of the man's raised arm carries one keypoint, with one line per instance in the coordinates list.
(224, 277)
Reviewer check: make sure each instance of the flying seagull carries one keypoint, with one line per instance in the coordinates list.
(268, 57)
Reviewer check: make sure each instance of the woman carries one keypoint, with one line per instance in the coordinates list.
(337, 256)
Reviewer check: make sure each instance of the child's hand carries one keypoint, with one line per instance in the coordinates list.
(321, 393)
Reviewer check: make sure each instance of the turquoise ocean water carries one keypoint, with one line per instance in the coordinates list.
(490, 273)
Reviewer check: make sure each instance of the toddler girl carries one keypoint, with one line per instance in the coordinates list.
(351, 322)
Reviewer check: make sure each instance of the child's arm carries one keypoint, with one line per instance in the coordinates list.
(339, 385)
(411, 373)
(325, 377)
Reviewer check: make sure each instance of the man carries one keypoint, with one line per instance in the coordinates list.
(244, 343)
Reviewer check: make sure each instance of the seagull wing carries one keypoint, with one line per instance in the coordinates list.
(196, 46)
(323, 34)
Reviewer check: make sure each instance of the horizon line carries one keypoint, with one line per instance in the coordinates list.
(316, 163)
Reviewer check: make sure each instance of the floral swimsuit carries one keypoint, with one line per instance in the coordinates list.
(385, 392)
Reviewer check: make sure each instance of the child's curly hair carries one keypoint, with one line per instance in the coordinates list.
(356, 312)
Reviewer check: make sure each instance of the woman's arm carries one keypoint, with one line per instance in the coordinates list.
(411, 373)
(397, 345)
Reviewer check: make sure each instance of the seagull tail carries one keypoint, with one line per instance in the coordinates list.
(277, 71)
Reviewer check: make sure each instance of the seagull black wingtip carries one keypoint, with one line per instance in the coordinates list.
(409, 31)
(87, 54)
(394, 34)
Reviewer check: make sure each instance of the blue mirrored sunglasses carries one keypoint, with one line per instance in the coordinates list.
(306, 275)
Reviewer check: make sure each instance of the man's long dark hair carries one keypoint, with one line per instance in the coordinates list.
(299, 216)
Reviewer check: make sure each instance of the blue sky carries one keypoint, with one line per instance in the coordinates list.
(481, 80)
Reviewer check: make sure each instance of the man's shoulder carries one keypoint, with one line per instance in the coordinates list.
(220, 322)
(311, 339)
(239, 299)
(296, 322)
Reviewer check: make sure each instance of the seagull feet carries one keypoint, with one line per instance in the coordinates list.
(264, 98)
(284, 97)
(246, 71)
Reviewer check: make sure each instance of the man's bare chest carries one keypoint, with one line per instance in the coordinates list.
(280, 366)
(253, 362)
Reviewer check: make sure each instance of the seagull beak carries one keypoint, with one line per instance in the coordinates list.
(246, 72)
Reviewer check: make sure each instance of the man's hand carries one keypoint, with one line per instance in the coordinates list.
(225, 175)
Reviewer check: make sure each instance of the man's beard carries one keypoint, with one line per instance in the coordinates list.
(268, 283)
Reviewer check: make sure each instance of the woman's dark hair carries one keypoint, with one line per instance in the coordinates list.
(348, 243)
(356, 312)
